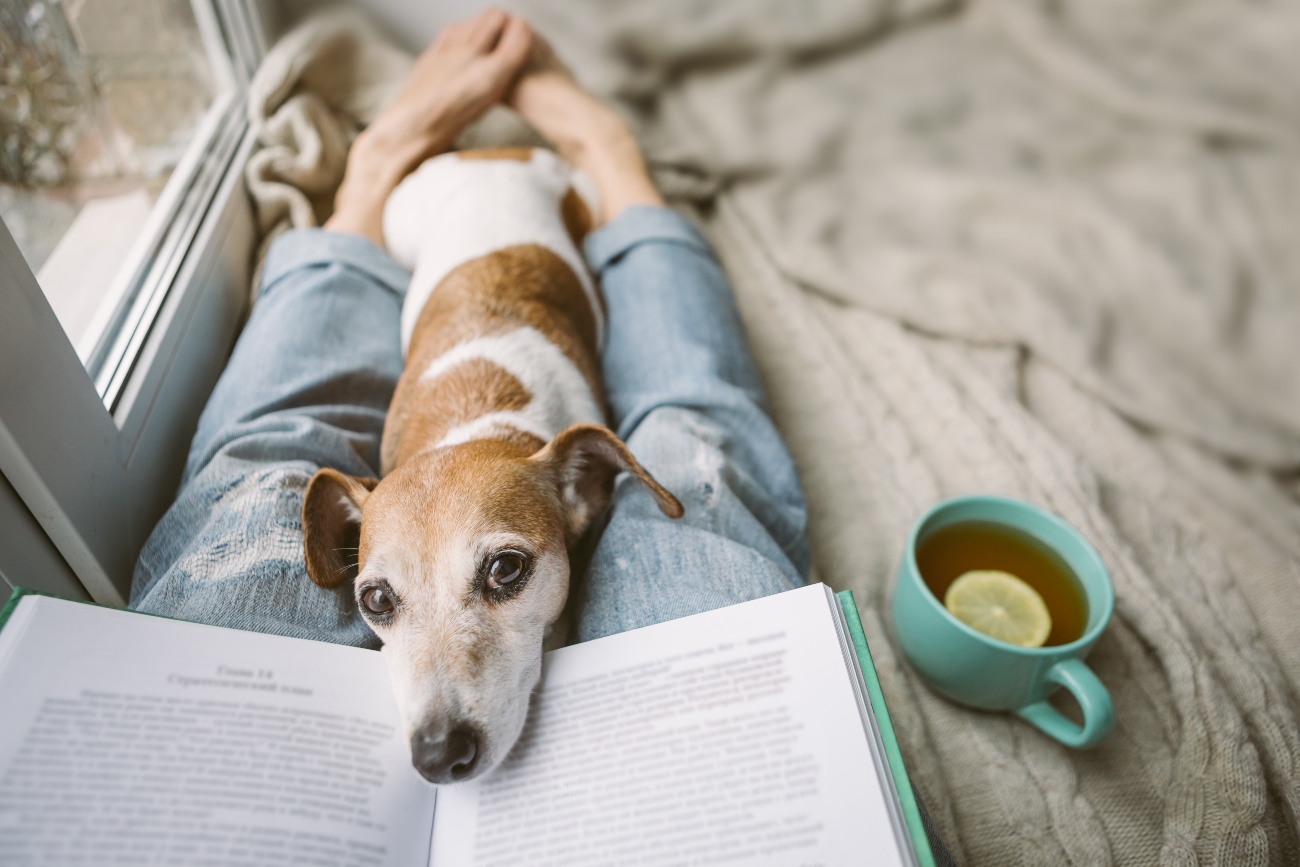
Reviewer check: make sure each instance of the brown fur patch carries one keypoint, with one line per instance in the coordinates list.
(520, 154)
(485, 484)
(466, 392)
(578, 222)
(493, 294)
(330, 529)
(577, 219)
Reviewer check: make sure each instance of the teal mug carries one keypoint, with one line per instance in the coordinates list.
(974, 669)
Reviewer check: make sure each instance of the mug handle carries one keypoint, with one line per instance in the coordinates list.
(1094, 700)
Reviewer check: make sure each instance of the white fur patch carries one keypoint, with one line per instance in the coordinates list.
(561, 395)
(450, 211)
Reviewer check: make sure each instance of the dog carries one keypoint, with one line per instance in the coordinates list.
(495, 457)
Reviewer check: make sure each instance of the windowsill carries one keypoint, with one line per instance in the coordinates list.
(79, 272)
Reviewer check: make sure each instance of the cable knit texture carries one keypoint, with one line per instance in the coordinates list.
(1043, 249)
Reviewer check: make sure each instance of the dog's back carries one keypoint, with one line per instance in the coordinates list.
(502, 321)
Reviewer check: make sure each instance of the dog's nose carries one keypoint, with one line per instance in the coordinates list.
(446, 756)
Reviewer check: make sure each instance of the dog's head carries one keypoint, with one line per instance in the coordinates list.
(461, 560)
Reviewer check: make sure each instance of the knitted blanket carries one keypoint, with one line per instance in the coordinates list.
(1042, 248)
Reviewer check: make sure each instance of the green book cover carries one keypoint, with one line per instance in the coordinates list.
(14, 599)
(911, 812)
(19, 592)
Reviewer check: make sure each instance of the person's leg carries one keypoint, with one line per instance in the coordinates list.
(307, 387)
(319, 344)
(685, 396)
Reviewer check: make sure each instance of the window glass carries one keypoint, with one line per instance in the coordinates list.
(100, 102)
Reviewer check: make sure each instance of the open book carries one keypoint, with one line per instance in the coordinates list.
(750, 735)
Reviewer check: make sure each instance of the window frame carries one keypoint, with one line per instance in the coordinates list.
(94, 462)
(151, 271)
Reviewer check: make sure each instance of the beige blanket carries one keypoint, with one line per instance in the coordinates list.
(1045, 249)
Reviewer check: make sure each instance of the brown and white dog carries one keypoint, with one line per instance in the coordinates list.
(495, 457)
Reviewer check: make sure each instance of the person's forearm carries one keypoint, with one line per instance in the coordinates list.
(621, 176)
(376, 165)
(587, 133)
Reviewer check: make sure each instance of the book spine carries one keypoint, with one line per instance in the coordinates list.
(911, 812)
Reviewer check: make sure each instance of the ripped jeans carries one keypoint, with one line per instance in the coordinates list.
(309, 383)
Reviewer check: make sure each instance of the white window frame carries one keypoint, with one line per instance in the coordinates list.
(89, 465)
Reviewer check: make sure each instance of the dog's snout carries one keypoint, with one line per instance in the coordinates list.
(447, 755)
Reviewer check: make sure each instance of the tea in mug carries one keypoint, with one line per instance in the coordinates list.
(953, 550)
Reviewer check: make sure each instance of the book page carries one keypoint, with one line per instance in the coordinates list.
(134, 739)
(732, 737)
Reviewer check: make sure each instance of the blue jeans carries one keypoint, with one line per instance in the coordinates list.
(310, 381)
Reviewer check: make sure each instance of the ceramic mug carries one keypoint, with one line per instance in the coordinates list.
(974, 669)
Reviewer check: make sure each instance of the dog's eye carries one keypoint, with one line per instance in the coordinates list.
(378, 601)
(504, 568)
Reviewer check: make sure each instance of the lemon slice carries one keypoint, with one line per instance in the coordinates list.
(1001, 606)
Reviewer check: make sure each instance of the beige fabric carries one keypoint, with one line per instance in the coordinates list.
(315, 90)
(1045, 249)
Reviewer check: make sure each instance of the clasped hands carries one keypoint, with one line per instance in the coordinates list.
(471, 66)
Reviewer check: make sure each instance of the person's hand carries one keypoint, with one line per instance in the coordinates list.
(587, 133)
(468, 68)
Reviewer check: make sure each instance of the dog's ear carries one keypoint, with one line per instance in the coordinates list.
(331, 525)
(584, 460)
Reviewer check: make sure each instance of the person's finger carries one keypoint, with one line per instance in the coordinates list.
(486, 29)
(514, 45)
